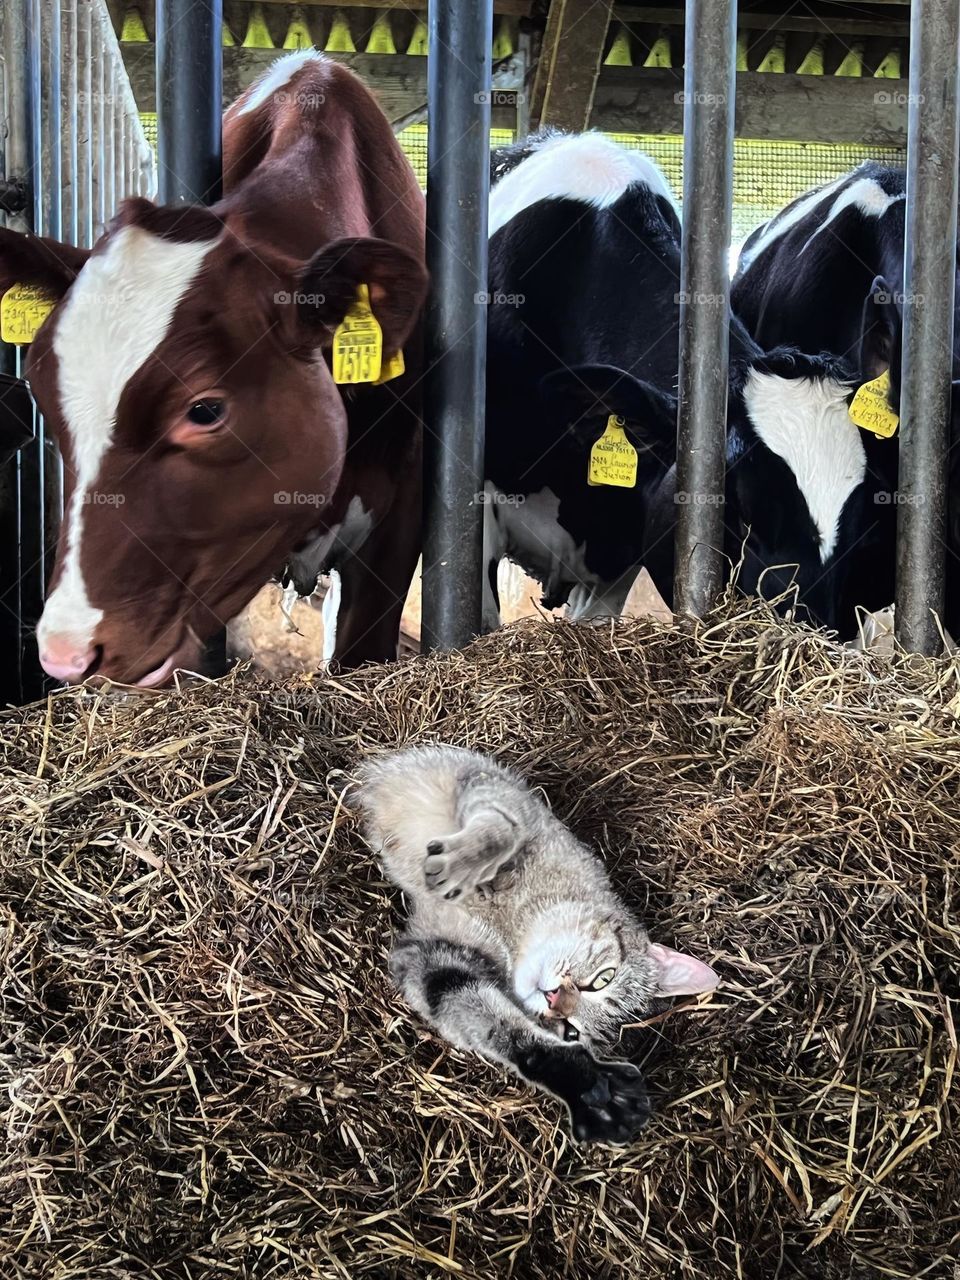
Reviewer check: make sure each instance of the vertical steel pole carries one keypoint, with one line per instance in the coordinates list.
(189, 100)
(85, 138)
(69, 120)
(189, 147)
(928, 286)
(458, 163)
(21, 591)
(708, 118)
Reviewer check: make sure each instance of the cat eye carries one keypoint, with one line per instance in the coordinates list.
(603, 979)
(570, 1032)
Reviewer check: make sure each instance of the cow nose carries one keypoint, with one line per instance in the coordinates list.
(64, 659)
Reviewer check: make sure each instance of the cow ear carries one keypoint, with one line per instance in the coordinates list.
(34, 260)
(588, 392)
(879, 331)
(327, 288)
(679, 974)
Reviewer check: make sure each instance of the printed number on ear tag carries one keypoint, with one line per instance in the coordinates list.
(23, 310)
(358, 343)
(870, 408)
(613, 459)
(391, 368)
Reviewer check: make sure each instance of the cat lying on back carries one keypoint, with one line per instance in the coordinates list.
(517, 946)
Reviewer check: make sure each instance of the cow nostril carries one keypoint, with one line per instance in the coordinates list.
(71, 665)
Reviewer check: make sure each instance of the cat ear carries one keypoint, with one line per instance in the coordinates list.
(681, 975)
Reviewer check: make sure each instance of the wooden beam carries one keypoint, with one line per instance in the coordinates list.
(773, 22)
(627, 99)
(573, 62)
(769, 107)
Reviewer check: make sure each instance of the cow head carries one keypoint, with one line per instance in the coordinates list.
(584, 397)
(182, 372)
(808, 496)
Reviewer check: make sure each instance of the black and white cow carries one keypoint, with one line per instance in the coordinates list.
(826, 275)
(583, 323)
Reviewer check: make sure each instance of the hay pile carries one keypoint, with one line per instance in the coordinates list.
(207, 1074)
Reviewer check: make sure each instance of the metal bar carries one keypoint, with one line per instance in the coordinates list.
(928, 319)
(189, 79)
(21, 677)
(69, 120)
(708, 110)
(85, 150)
(458, 165)
(99, 142)
(189, 100)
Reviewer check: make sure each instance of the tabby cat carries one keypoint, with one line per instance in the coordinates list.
(517, 946)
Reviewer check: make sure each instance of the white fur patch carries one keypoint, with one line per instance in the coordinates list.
(805, 422)
(866, 195)
(782, 223)
(116, 314)
(530, 533)
(585, 166)
(277, 75)
(330, 611)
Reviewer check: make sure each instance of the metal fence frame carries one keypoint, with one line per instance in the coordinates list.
(72, 137)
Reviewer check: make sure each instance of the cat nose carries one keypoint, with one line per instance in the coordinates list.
(564, 999)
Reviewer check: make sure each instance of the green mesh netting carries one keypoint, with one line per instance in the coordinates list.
(766, 175)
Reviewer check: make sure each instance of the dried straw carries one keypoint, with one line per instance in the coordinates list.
(207, 1074)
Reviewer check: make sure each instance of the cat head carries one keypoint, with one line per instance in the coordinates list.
(583, 976)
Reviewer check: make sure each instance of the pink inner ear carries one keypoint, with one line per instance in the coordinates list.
(681, 975)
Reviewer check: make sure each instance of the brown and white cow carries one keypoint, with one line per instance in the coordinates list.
(183, 371)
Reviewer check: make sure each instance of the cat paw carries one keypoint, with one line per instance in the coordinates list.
(614, 1108)
(454, 873)
(437, 866)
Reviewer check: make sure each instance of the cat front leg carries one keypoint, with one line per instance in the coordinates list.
(462, 993)
(463, 861)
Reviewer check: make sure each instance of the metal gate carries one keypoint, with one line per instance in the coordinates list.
(72, 149)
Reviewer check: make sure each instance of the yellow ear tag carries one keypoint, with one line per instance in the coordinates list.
(358, 343)
(870, 408)
(23, 310)
(391, 368)
(613, 459)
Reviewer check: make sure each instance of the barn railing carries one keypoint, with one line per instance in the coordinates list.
(72, 148)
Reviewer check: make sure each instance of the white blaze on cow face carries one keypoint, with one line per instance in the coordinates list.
(782, 223)
(114, 317)
(587, 167)
(275, 78)
(805, 422)
(864, 194)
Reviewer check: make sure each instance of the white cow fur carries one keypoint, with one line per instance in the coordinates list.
(805, 422)
(587, 167)
(114, 317)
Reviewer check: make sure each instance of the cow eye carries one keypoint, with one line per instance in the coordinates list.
(207, 413)
(603, 979)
